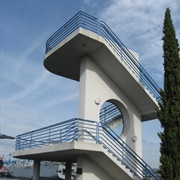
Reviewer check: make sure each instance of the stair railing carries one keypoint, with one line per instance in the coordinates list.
(125, 154)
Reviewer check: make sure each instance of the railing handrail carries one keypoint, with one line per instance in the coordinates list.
(87, 130)
(127, 148)
(136, 64)
(86, 21)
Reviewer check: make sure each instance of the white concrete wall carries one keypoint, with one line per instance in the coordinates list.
(95, 84)
(90, 170)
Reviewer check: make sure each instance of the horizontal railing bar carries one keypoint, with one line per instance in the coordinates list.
(47, 127)
(109, 113)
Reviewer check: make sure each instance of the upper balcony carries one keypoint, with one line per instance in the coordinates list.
(84, 34)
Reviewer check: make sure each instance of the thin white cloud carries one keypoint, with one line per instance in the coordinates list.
(30, 87)
(91, 3)
(61, 100)
(20, 116)
(151, 153)
(28, 51)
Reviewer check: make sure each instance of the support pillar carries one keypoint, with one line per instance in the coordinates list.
(68, 171)
(36, 170)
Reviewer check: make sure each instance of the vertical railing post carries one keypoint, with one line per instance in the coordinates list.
(22, 146)
(121, 56)
(76, 130)
(97, 133)
(104, 114)
(30, 145)
(123, 153)
(145, 174)
(18, 145)
(99, 26)
(49, 135)
(141, 76)
(60, 136)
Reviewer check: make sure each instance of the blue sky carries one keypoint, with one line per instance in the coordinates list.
(32, 97)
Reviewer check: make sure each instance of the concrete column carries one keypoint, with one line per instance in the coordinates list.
(91, 88)
(68, 171)
(36, 170)
(91, 170)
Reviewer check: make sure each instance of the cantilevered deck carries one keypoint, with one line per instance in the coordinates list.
(86, 35)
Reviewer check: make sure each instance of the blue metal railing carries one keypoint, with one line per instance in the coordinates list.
(90, 131)
(81, 19)
(109, 113)
(127, 156)
(99, 27)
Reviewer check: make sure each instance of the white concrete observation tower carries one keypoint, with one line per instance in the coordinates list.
(116, 96)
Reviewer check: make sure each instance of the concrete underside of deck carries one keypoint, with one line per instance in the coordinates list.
(59, 152)
(71, 152)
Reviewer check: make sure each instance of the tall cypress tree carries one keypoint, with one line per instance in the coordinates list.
(169, 111)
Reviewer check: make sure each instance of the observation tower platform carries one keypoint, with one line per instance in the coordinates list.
(116, 95)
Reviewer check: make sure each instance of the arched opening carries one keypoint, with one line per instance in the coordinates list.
(111, 117)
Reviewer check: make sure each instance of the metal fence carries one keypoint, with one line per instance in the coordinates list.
(99, 27)
(89, 132)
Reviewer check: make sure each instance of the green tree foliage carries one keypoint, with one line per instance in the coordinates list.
(169, 111)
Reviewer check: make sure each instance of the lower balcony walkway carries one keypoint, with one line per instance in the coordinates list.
(69, 140)
(70, 152)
